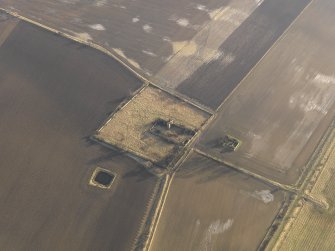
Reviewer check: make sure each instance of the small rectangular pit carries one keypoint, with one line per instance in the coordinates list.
(227, 144)
(102, 178)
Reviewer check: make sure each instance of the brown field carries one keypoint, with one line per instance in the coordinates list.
(283, 107)
(237, 54)
(201, 49)
(212, 207)
(311, 228)
(128, 129)
(204, 47)
(142, 31)
(54, 93)
(7, 24)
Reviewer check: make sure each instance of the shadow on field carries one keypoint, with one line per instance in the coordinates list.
(107, 154)
(205, 169)
(110, 155)
(140, 173)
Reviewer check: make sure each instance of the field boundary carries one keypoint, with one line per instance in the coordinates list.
(266, 53)
(136, 72)
(288, 188)
(315, 169)
(146, 234)
(148, 228)
(277, 221)
(78, 40)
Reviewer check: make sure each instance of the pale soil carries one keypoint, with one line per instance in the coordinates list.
(282, 109)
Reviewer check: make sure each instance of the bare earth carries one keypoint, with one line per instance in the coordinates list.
(212, 83)
(201, 49)
(54, 93)
(7, 24)
(281, 110)
(212, 207)
(142, 31)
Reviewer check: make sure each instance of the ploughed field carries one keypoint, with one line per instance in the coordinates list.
(200, 49)
(213, 207)
(237, 54)
(143, 30)
(54, 93)
(281, 110)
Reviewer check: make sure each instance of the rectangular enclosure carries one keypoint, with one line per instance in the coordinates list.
(154, 125)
